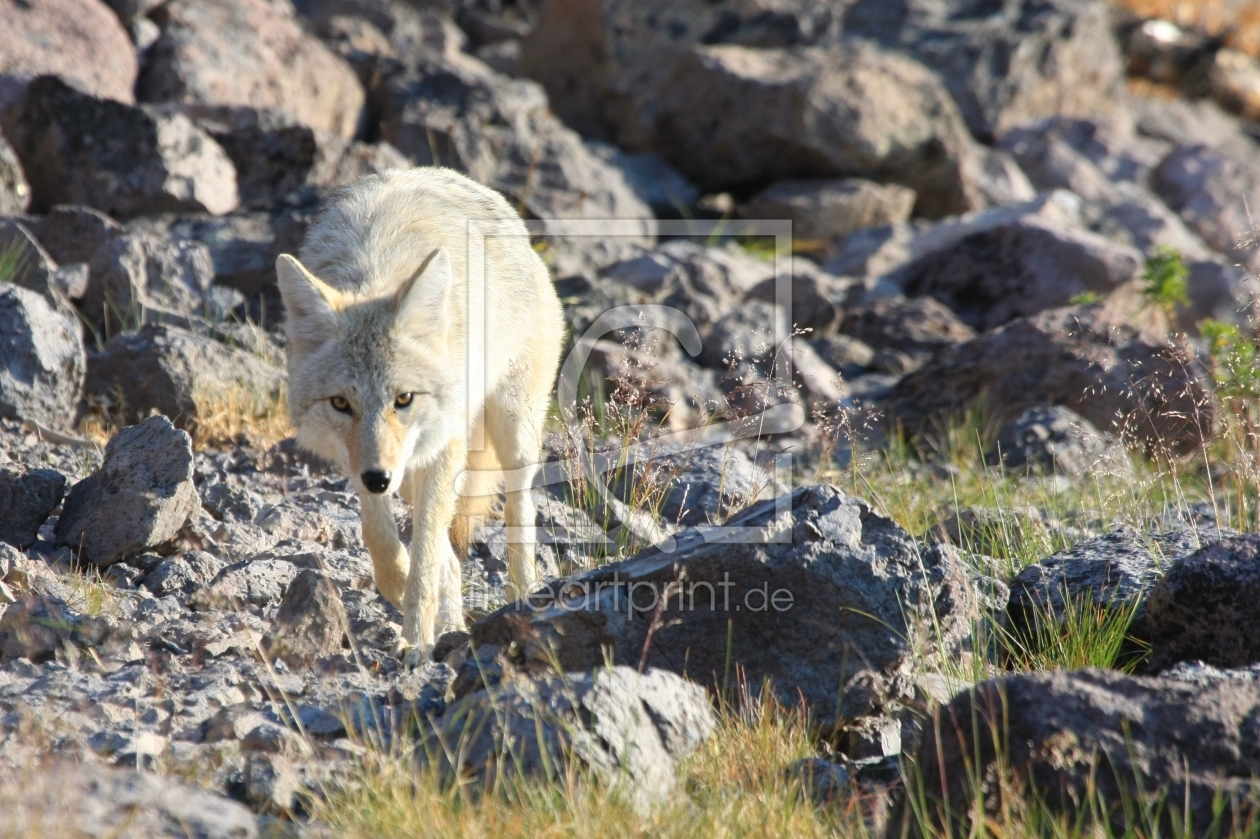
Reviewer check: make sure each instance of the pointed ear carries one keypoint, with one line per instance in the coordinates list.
(426, 297)
(311, 304)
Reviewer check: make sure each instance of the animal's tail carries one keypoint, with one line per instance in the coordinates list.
(481, 484)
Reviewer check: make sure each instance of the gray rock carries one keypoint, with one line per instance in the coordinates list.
(72, 233)
(249, 54)
(136, 277)
(155, 161)
(751, 332)
(243, 246)
(1196, 672)
(848, 355)
(1140, 386)
(706, 485)
(15, 192)
(95, 802)
(879, 251)
(732, 116)
(833, 615)
(311, 622)
(629, 728)
(1057, 440)
(78, 40)
(27, 497)
(607, 64)
(457, 112)
(1204, 606)
(992, 277)
(1005, 63)
(37, 628)
(139, 498)
(829, 209)
(182, 575)
(269, 784)
(1213, 190)
(1117, 569)
(659, 185)
(272, 156)
(920, 327)
(705, 283)
(256, 584)
(42, 359)
(1085, 737)
(178, 373)
(814, 296)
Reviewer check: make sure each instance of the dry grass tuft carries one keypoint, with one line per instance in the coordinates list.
(240, 412)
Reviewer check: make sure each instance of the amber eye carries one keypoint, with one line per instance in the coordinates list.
(341, 404)
(403, 400)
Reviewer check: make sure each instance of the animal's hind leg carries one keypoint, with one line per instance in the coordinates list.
(514, 422)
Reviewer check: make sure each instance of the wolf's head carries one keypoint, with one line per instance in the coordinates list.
(374, 382)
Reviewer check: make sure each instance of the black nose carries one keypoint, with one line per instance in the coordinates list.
(376, 481)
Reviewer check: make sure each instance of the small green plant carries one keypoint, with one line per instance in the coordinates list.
(1085, 632)
(1085, 298)
(1164, 280)
(12, 261)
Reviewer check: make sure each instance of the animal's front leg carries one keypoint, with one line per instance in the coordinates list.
(389, 557)
(433, 508)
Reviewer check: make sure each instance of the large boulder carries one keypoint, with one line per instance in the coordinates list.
(994, 276)
(177, 373)
(1092, 746)
(455, 111)
(828, 600)
(630, 728)
(217, 57)
(123, 160)
(139, 498)
(733, 116)
(1090, 358)
(42, 359)
(1204, 606)
(81, 41)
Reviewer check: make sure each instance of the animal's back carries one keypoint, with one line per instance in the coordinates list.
(372, 235)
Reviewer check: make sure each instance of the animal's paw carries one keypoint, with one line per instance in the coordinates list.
(413, 656)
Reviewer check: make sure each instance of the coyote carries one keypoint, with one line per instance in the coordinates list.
(378, 365)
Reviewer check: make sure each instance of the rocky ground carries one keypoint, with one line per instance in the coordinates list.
(987, 487)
